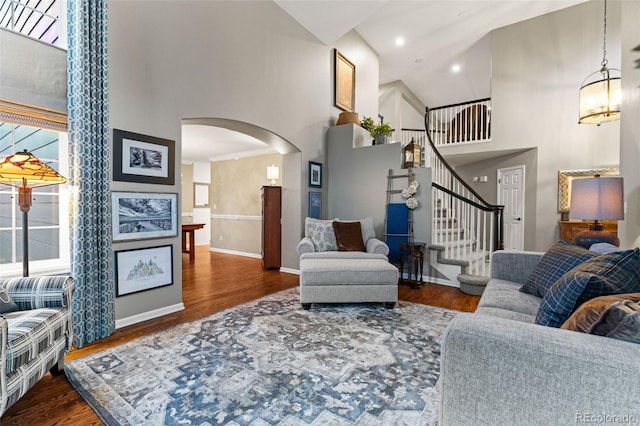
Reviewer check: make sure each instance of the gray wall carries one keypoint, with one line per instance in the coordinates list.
(488, 190)
(538, 66)
(171, 60)
(32, 72)
(357, 180)
(629, 228)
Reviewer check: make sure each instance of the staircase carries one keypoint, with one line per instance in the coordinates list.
(465, 229)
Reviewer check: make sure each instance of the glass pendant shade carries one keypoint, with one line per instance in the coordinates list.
(601, 97)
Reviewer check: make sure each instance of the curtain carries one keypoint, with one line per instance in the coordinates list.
(91, 252)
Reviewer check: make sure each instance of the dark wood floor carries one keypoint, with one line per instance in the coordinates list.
(212, 282)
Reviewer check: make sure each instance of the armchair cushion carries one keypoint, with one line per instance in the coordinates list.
(30, 330)
(349, 236)
(321, 234)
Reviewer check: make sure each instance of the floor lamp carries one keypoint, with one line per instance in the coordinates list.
(24, 171)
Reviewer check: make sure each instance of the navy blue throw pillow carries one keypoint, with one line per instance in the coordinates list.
(612, 273)
(559, 259)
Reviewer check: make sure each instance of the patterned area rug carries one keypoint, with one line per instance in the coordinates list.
(269, 362)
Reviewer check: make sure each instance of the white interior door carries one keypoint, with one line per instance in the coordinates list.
(511, 195)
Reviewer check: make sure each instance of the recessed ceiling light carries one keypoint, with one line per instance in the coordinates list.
(399, 41)
(455, 68)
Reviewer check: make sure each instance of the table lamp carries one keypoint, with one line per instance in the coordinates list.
(24, 171)
(596, 199)
(273, 173)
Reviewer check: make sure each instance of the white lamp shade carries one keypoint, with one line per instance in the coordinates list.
(600, 100)
(273, 173)
(597, 199)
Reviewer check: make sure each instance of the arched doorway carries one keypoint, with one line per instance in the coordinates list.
(290, 180)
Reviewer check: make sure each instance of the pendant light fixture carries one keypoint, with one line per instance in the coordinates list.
(601, 92)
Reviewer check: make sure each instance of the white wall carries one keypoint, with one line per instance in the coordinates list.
(247, 61)
(202, 174)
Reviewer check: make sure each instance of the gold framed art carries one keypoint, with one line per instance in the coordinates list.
(344, 82)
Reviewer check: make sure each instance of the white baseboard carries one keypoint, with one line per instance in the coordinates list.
(134, 319)
(237, 253)
(290, 271)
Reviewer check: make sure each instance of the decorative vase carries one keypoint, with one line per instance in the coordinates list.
(347, 117)
(381, 139)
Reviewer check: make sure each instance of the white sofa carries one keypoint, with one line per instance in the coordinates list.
(328, 275)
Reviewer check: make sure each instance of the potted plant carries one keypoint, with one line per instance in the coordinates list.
(379, 132)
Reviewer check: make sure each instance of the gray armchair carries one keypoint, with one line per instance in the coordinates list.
(319, 238)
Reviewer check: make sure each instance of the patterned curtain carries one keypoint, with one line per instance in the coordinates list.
(91, 252)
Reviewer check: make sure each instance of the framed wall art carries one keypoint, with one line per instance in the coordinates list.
(200, 194)
(344, 82)
(143, 269)
(315, 204)
(315, 175)
(138, 215)
(142, 158)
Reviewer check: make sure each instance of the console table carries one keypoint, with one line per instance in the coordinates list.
(569, 228)
(188, 238)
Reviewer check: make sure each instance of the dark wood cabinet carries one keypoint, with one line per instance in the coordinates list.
(271, 226)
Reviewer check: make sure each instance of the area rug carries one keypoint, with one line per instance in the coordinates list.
(269, 362)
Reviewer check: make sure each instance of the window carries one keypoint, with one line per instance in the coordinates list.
(49, 214)
(39, 19)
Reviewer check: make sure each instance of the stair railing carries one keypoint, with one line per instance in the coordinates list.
(464, 226)
(461, 123)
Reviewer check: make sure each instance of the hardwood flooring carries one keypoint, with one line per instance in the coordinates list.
(211, 282)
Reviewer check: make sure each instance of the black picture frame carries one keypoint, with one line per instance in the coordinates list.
(315, 204)
(315, 175)
(143, 269)
(142, 158)
(144, 215)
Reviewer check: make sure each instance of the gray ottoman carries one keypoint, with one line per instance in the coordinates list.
(348, 280)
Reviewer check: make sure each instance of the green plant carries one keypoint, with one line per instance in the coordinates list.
(368, 124)
(382, 129)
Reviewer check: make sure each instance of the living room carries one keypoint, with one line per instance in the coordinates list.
(176, 62)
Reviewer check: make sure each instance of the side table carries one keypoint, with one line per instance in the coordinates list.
(413, 253)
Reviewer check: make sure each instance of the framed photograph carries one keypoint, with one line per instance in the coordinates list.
(138, 216)
(315, 175)
(315, 204)
(344, 82)
(143, 269)
(565, 177)
(142, 158)
(200, 195)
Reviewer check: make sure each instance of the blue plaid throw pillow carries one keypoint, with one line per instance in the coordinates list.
(612, 273)
(559, 259)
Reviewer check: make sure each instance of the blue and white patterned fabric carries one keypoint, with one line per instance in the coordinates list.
(35, 337)
(91, 252)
